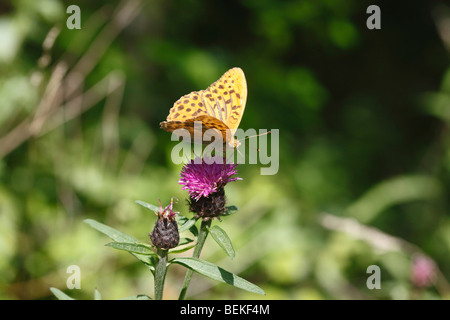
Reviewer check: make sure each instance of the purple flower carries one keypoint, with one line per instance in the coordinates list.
(422, 271)
(202, 177)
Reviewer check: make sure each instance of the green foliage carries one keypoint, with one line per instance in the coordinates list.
(114, 234)
(97, 295)
(185, 224)
(222, 239)
(216, 273)
(128, 243)
(147, 205)
(364, 144)
(60, 295)
(125, 242)
(140, 248)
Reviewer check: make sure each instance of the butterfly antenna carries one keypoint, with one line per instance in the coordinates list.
(256, 135)
(239, 152)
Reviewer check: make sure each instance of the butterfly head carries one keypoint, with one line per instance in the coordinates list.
(235, 143)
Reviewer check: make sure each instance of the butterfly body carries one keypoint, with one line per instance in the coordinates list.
(219, 107)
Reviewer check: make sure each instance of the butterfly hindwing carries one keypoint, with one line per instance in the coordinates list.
(208, 123)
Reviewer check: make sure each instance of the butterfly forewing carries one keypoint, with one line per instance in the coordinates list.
(187, 107)
(219, 107)
(225, 99)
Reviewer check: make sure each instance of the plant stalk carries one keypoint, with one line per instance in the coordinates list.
(160, 274)
(202, 234)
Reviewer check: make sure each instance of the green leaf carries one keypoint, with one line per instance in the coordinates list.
(148, 260)
(222, 239)
(114, 234)
(184, 241)
(230, 210)
(186, 225)
(148, 205)
(119, 236)
(181, 219)
(194, 230)
(60, 295)
(140, 248)
(137, 297)
(97, 295)
(182, 249)
(216, 273)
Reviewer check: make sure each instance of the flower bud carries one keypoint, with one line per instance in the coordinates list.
(165, 234)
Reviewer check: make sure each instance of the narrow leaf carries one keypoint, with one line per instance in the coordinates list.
(97, 295)
(147, 205)
(216, 273)
(181, 219)
(114, 234)
(184, 241)
(222, 239)
(132, 247)
(148, 260)
(194, 230)
(182, 249)
(230, 210)
(120, 237)
(60, 295)
(137, 297)
(186, 225)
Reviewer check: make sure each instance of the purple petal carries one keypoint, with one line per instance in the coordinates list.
(202, 179)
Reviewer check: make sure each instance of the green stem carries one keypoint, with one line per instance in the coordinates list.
(160, 274)
(202, 234)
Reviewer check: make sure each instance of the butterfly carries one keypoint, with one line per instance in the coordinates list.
(219, 107)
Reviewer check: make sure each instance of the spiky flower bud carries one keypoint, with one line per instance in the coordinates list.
(165, 234)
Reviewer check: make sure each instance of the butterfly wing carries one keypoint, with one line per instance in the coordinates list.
(219, 107)
(226, 98)
(208, 123)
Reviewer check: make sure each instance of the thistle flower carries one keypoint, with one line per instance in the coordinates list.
(165, 233)
(205, 181)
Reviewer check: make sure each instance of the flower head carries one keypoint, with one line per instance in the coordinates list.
(203, 178)
(165, 234)
(422, 271)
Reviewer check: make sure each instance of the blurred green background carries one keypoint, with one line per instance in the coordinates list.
(364, 143)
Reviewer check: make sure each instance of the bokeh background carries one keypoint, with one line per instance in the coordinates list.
(364, 143)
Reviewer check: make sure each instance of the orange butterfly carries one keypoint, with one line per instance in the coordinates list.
(220, 107)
